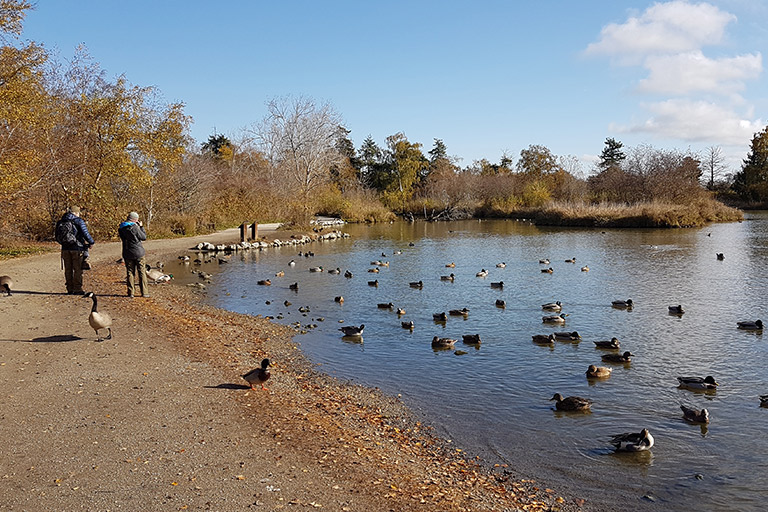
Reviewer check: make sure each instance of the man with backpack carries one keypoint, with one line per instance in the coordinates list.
(74, 238)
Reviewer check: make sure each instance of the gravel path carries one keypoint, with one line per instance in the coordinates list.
(158, 418)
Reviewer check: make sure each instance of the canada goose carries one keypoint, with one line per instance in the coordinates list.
(598, 372)
(258, 375)
(471, 339)
(157, 276)
(99, 320)
(676, 310)
(633, 441)
(417, 284)
(571, 403)
(612, 344)
(352, 330)
(757, 325)
(407, 325)
(694, 416)
(443, 342)
(623, 304)
(498, 285)
(448, 278)
(6, 283)
(618, 358)
(552, 306)
(501, 303)
(705, 383)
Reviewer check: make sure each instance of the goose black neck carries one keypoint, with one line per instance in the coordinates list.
(93, 309)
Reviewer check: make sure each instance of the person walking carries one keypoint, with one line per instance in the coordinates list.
(132, 233)
(73, 235)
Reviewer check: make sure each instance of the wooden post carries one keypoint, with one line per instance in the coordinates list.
(254, 231)
(243, 231)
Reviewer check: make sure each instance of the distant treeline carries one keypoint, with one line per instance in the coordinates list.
(70, 135)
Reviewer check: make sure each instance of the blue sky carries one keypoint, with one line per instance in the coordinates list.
(486, 77)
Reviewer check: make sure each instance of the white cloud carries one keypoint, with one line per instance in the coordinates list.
(664, 28)
(695, 121)
(693, 72)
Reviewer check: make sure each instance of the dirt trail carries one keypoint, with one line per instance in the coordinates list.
(157, 418)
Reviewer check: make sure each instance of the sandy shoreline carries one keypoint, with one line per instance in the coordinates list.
(158, 417)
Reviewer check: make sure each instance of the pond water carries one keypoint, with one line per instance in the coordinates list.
(494, 399)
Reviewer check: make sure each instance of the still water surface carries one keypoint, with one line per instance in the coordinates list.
(495, 400)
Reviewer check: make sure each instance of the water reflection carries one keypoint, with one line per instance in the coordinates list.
(505, 414)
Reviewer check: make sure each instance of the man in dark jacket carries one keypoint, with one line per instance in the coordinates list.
(73, 253)
(132, 233)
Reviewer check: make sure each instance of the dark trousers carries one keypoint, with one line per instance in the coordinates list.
(73, 270)
(132, 267)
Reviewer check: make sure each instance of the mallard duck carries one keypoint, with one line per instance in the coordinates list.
(757, 325)
(544, 339)
(552, 306)
(293, 286)
(501, 265)
(459, 312)
(443, 342)
(373, 283)
(439, 317)
(471, 339)
(498, 285)
(338, 299)
(258, 375)
(387, 305)
(720, 256)
(416, 284)
(567, 336)
(352, 330)
(598, 372)
(336, 271)
(571, 403)
(612, 344)
(676, 310)
(448, 278)
(348, 274)
(622, 304)
(501, 303)
(618, 358)
(549, 270)
(373, 270)
(6, 283)
(450, 265)
(482, 273)
(544, 261)
(280, 274)
(763, 400)
(407, 325)
(705, 383)
(400, 311)
(585, 268)
(98, 319)
(694, 416)
(315, 269)
(264, 282)
(554, 319)
(572, 260)
(633, 441)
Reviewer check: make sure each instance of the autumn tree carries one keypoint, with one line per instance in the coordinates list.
(713, 165)
(408, 166)
(751, 182)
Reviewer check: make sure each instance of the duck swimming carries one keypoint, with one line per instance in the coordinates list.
(498, 285)
(585, 268)
(676, 310)
(348, 274)
(571, 403)
(482, 273)
(694, 416)
(443, 342)
(757, 325)
(459, 312)
(416, 284)
(407, 325)
(439, 317)
(549, 270)
(554, 319)
(448, 278)
(373, 283)
(567, 336)
(618, 358)
(450, 265)
(471, 339)
(543, 339)
(352, 330)
(622, 304)
(598, 372)
(633, 441)
(552, 306)
(612, 344)
(501, 265)
(544, 261)
(258, 375)
(501, 303)
(387, 305)
(706, 383)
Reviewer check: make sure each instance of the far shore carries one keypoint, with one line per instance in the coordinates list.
(159, 414)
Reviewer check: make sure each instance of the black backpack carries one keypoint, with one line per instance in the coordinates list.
(66, 232)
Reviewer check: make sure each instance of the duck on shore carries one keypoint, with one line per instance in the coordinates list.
(258, 375)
